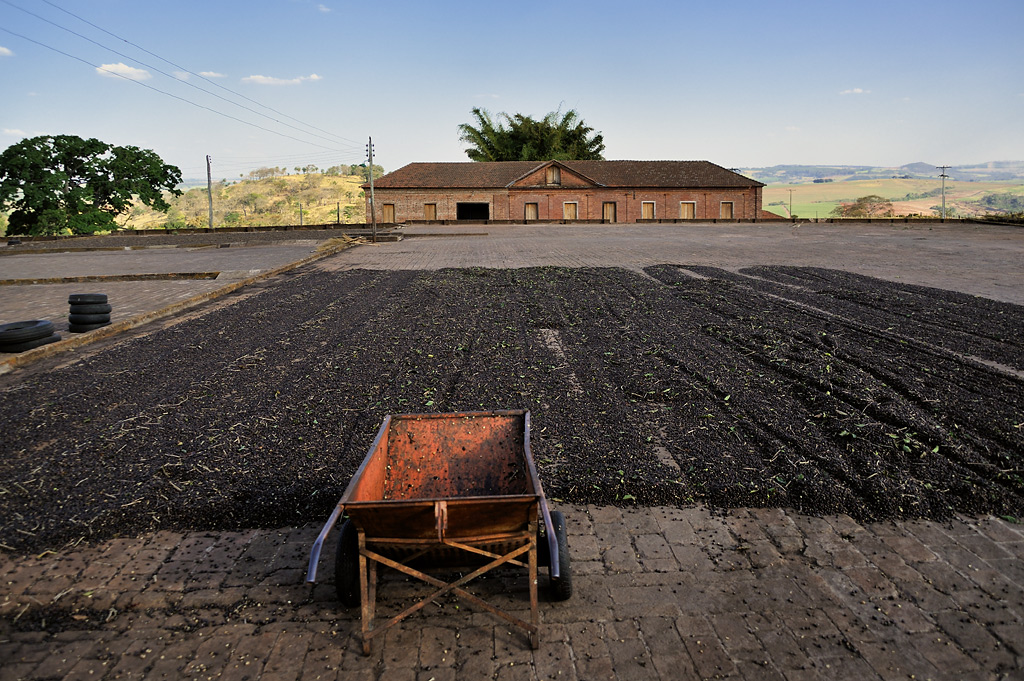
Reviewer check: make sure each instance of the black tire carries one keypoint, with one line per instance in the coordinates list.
(29, 345)
(84, 319)
(87, 298)
(22, 332)
(346, 566)
(82, 328)
(91, 308)
(561, 588)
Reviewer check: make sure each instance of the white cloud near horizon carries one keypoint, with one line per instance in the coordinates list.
(5, 52)
(16, 132)
(270, 80)
(124, 71)
(855, 91)
(211, 74)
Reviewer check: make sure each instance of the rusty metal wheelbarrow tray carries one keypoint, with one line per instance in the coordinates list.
(441, 490)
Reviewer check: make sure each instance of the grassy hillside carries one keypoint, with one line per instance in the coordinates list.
(909, 196)
(992, 171)
(270, 201)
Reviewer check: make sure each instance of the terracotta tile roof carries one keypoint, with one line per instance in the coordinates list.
(660, 174)
(495, 175)
(456, 175)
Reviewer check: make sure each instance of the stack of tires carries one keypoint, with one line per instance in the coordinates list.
(22, 336)
(88, 311)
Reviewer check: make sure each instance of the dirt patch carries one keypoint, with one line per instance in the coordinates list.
(811, 389)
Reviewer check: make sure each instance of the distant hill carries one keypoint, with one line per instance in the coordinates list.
(261, 202)
(992, 171)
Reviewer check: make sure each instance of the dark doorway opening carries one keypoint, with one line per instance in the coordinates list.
(472, 211)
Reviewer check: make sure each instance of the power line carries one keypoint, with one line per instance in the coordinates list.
(197, 75)
(164, 73)
(168, 94)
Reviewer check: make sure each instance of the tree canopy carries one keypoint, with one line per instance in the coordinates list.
(56, 183)
(557, 136)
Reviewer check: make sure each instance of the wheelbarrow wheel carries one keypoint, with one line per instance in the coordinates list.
(561, 587)
(346, 567)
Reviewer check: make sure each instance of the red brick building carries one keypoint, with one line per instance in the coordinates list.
(610, 191)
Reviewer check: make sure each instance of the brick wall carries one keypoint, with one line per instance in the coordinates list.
(511, 205)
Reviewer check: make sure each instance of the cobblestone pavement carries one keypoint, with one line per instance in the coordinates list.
(660, 593)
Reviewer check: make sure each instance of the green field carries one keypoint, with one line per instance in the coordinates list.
(909, 196)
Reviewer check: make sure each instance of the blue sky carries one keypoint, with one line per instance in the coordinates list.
(740, 83)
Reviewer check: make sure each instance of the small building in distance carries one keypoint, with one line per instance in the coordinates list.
(588, 191)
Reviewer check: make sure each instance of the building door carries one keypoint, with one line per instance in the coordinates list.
(687, 210)
(608, 211)
(430, 211)
(726, 212)
(531, 212)
(647, 210)
(569, 210)
(388, 213)
(472, 211)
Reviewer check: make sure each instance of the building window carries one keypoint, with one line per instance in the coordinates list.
(647, 210)
(430, 211)
(531, 212)
(726, 212)
(687, 210)
(554, 175)
(388, 212)
(608, 211)
(569, 210)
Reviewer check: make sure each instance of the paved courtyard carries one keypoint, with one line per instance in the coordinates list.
(660, 593)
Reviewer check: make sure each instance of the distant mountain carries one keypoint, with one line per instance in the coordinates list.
(992, 171)
(920, 168)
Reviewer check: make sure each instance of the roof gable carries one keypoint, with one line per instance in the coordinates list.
(538, 177)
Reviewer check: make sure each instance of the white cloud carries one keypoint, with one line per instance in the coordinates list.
(270, 80)
(855, 91)
(792, 128)
(123, 70)
(4, 52)
(211, 74)
(323, 8)
(181, 75)
(15, 132)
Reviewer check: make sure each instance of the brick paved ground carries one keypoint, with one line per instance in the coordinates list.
(661, 593)
(131, 298)
(978, 259)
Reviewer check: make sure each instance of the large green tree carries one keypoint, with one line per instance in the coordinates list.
(557, 136)
(56, 183)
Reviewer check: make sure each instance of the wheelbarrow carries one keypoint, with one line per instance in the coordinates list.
(446, 491)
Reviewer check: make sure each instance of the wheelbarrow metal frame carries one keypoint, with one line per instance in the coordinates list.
(504, 543)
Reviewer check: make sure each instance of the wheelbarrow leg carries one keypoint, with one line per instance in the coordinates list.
(368, 591)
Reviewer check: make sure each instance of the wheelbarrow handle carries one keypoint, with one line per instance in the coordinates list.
(314, 554)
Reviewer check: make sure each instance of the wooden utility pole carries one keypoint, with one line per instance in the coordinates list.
(373, 205)
(209, 189)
